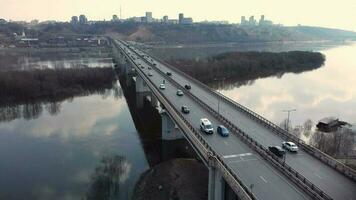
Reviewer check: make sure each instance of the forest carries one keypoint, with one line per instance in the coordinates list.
(18, 87)
(235, 67)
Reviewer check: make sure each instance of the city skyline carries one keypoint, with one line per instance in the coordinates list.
(313, 13)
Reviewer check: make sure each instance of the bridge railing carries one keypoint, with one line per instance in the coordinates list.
(239, 188)
(296, 177)
(328, 160)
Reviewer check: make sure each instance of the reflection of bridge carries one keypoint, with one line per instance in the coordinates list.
(240, 163)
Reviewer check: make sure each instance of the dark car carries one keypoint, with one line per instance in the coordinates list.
(185, 109)
(277, 150)
(188, 87)
(223, 131)
(169, 73)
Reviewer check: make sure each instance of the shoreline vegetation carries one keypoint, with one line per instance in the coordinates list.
(243, 67)
(48, 85)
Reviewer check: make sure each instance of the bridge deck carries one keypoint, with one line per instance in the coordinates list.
(268, 182)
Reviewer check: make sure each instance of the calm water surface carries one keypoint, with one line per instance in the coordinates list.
(64, 156)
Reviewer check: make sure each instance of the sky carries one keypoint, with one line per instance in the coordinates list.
(326, 13)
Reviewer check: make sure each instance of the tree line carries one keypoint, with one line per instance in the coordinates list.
(244, 66)
(48, 85)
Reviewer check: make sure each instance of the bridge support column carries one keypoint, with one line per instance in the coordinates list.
(169, 129)
(216, 185)
(142, 91)
(154, 101)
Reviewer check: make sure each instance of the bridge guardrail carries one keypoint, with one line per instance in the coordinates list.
(338, 166)
(240, 189)
(297, 178)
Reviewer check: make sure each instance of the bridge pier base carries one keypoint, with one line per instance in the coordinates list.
(216, 185)
(170, 131)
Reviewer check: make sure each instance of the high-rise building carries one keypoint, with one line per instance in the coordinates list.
(264, 22)
(243, 20)
(83, 19)
(149, 18)
(74, 20)
(252, 20)
(181, 17)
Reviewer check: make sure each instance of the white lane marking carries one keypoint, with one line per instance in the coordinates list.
(318, 175)
(264, 180)
(237, 155)
(243, 160)
(231, 156)
(227, 144)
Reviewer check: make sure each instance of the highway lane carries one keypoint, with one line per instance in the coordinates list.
(329, 180)
(268, 182)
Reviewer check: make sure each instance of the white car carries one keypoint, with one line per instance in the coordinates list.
(206, 126)
(290, 146)
(150, 74)
(162, 86)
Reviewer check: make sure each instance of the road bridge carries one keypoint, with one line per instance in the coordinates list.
(241, 161)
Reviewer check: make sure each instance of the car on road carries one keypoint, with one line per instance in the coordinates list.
(185, 110)
(223, 131)
(162, 86)
(277, 150)
(188, 87)
(169, 73)
(180, 93)
(206, 126)
(150, 74)
(290, 146)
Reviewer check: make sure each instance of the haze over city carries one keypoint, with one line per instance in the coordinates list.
(333, 14)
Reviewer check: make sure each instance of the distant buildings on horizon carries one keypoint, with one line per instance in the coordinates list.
(252, 22)
(148, 18)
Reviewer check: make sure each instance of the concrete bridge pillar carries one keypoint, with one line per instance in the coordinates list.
(216, 185)
(170, 130)
(142, 91)
(141, 85)
(154, 101)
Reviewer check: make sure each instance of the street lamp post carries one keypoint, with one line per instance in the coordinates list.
(219, 105)
(288, 111)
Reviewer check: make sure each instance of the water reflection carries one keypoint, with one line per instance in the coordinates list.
(54, 156)
(33, 109)
(108, 177)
